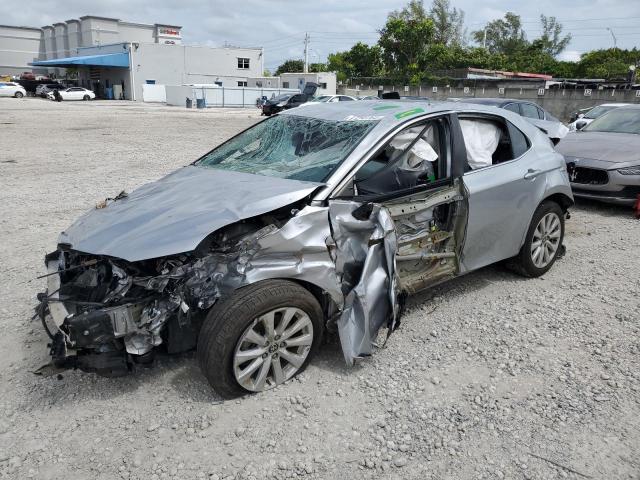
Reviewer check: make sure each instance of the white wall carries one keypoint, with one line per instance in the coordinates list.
(154, 93)
(181, 64)
(298, 80)
(18, 47)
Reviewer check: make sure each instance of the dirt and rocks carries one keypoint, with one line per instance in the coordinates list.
(490, 376)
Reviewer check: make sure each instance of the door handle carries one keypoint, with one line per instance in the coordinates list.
(531, 173)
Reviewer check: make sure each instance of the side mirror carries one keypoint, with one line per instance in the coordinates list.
(580, 115)
(580, 125)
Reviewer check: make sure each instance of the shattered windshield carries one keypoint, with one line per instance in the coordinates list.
(617, 121)
(290, 146)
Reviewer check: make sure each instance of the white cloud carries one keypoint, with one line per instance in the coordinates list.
(279, 25)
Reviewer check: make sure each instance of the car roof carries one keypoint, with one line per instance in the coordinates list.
(496, 102)
(387, 112)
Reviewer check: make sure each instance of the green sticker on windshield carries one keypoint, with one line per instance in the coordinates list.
(386, 107)
(408, 113)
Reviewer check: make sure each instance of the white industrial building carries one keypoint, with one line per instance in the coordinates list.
(116, 58)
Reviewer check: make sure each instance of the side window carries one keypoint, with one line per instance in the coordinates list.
(415, 156)
(540, 113)
(334, 100)
(491, 141)
(346, 99)
(513, 107)
(529, 110)
(519, 143)
(296, 99)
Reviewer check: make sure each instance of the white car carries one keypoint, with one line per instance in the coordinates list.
(592, 114)
(74, 93)
(11, 89)
(332, 99)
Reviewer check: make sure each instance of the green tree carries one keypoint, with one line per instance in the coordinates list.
(361, 60)
(404, 41)
(448, 23)
(612, 63)
(552, 40)
(290, 66)
(337, 62)
(316, 67)
(504, 35)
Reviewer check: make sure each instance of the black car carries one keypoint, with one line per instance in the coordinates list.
(289, 100)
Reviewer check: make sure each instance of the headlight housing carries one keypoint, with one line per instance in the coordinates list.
(630, 170)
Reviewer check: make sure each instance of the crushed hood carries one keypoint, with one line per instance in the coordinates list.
(174, 214)
(614, 148)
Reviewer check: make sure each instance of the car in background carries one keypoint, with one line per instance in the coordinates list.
(332, 99)
(286, 101)
(44, 88)
(319, 218)
(73, 93)
(579, 114)
(603, 158)
(12, 89)
(534, 113)
(369, 97)
(585, 119)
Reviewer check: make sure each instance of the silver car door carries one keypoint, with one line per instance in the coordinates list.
(502, 198)
(396, 237)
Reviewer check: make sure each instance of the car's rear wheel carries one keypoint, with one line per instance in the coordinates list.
(19, 95)
(543, 242)
(262, 336)
(86, 97)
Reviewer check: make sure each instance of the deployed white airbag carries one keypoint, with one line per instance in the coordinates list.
(481, 138)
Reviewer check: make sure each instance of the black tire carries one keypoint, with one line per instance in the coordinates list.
(86, 97)
(227, 321)
(19, 95)
(523, 263)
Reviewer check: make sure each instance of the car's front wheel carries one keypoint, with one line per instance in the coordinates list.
(261, 337)
(543, 243)
(19, 95)
(86, 97)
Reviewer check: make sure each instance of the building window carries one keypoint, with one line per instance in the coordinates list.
(242, 84)
(285, 84)
(243, 63)
(218, 83)
(323, 85)
(259, 83)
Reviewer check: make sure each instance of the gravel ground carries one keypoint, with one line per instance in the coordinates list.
(490, 376)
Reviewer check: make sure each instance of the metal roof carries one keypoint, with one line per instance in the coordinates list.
(103, 60)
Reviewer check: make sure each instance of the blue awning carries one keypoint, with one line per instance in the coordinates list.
(104, 60)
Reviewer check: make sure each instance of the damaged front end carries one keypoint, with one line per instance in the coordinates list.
(109, 313)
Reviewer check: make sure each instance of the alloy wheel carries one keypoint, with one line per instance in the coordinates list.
(273, 348)
(546, 240)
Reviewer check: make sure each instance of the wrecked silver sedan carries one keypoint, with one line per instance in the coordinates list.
(314, 220)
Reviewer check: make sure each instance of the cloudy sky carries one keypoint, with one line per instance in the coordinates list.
(279, 25)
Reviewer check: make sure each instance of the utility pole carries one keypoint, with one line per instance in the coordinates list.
(484, 39)
(615, 40)
(306, 53)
